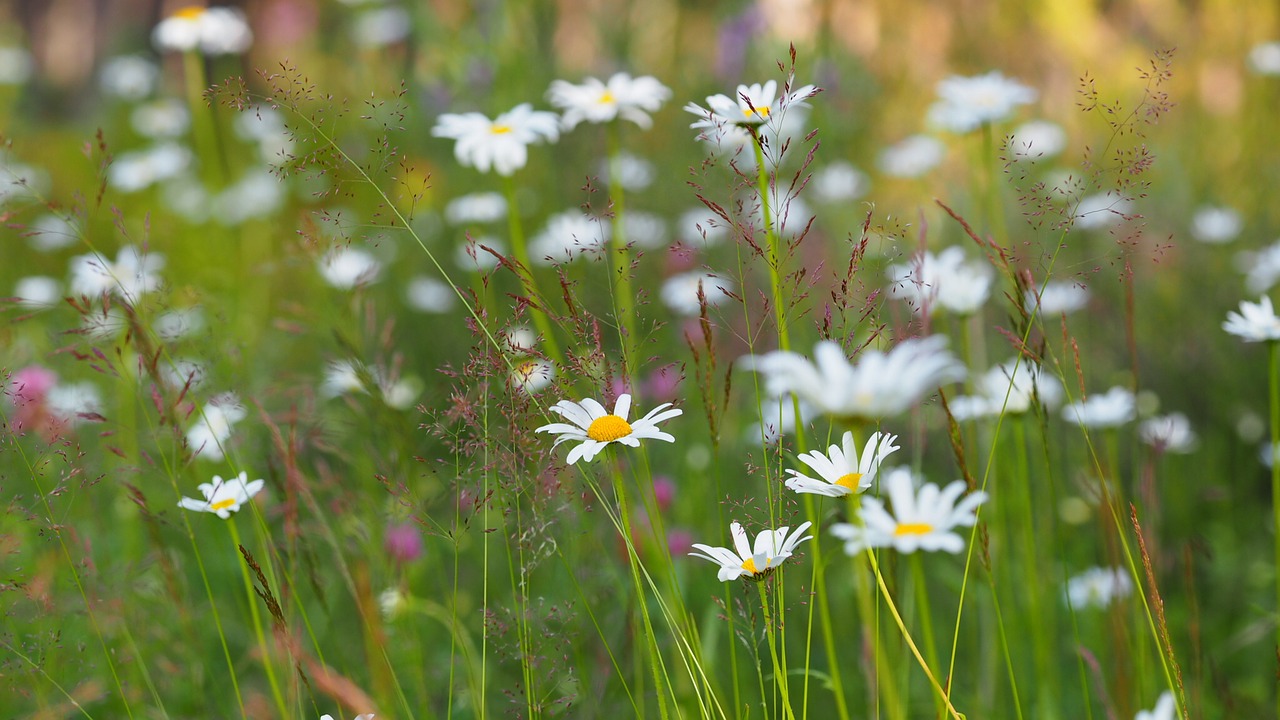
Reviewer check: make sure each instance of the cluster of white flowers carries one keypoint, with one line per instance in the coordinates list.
(946, 280)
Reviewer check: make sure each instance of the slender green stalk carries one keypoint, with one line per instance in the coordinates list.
(1037, 620)
(525, 271)
(252, 598)
(623, 295)
(779, 671)
(1274, 358)
(870, 627)
(772, 247)
(926, 621)
(207, 140)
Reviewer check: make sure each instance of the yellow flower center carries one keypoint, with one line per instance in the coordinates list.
(850, 480)
(500, 129)
(190, 13)
(608, 428)
(525, 370)
(913, 529)
(750, 566)
(607, 98)
(756, 112)
(223, 504)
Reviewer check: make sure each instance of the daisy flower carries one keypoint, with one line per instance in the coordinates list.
(912, 157)
(132, 275)
(840, 470)
(1166, 709)
(921, 521)
(1112, 409)
(1256, 322)
(208, 435)
(212, 31)
(1216, 225)
(1056, 298)
(1168, 433)
(346, 267)
(1037, 139)
(501, 143)
(1098, 587)
(946, 280)
(967, 103)
(595, 428)
(751, 106)
(366, 716)
(223, 497)
(599, 102)
(879, 385)
(754, 562)
(680, 292)
(1006, 390)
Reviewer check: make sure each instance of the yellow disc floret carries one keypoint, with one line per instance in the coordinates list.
(750, 566)
(223, 504)
(758, 112)
(606, 98)
(850, 480)
(913, 529)
(498, 129)
(190, 13)
(608, 428)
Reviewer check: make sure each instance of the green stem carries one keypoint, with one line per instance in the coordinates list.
(623, 295)
(257, 621)
(772, 246)
(779, 672)
(1274, 357)
(1047, 679)
(926, 622)
(525, 272)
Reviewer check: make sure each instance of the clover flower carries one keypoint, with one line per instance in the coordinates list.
(595, 428)
(501, 144)
(223, 497)
(920, 521)
(752, 561)
(840, 469)
(622, 96)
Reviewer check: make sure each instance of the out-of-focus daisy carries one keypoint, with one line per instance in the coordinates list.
(594, 428)
(645, 229)
(967, 103)
(381, 26)
(532, 375)
(391, 601)
(1166, 709)
(622, 96)
(429, 295)
(1058, 297)
(15, 65)
(475, 253)
(223, 497)
(212, 31)
(1094, 212)
(840, 182)
(208, 435)
(139, 169)
(179, 323)
(700, 227)
(569, 235)
(132, 275)
(1037, 139)
(753, 561)
(1170, 433)
(52, 232)
(476, 208)
(923, 521)
(37, 291)
(184, 373)
(680, 292)
(103, 323)
(1256, 322)
(1261, 268)
(632, 173)
(751, 106)
(946, 281)
(165, 118)
(366, 716)
(1002, 390)
(840, 470)
(71, 402)
(1098, 587)
(778, 418)
(129, 77)
(1111, 409)
(256, 195)
(912, 157)
(1264, 58)
(880, 385)
(346, 267)
(501, 143)
(1216, 225)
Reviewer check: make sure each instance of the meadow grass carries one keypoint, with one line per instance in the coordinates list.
(322, 397)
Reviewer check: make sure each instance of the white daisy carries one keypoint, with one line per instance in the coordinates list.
(680, 292)
(476, 208)
(132, 275)
(1256, 322)
(52, 232)
(1261, 268)
(211, 430)
(366, 716)
(1168, 433)
(501, 143)
(1098, 587)
(912, 157)
(1058, 297)
(751, 106)
(700, 227)
(595, 428)
(880, 385)
(967, 103)
(1166, 709)
(347, 267)
(599, 102)
(429, 295)
(946, 280)
(753, 561)
(130, 77)
(72, 402)
(569, 235)
(1264, 58)
(1002, 390)
(163, 118)
(1037, 139)
(840, 470)
(1216, 225)
(1100, 210)
(840, 182)
(37, 291)
(139, 169)
(212, 31)
(921, 521)
(223, 497)
(1111, 409)
(533, 375)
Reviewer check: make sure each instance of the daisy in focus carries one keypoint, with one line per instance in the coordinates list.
(840, 470)
(752, 561)
(501, 144)
(599, 102)
(1256, 322)
(223, 497)
(923, 521)
(879, 385)
(595, 428)
(967, 103)
(751, 107)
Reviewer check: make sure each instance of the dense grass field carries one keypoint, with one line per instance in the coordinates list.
(843, 359)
